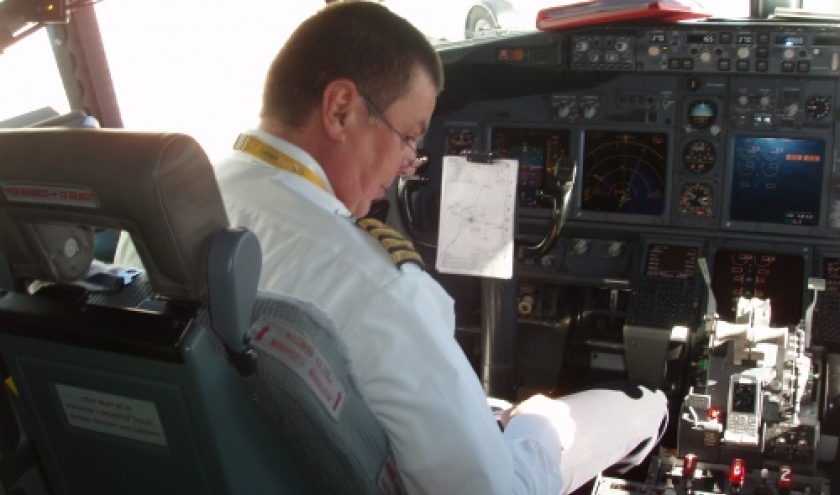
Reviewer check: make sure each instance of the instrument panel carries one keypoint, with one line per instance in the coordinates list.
(724, 48)
(716, 135)
(707, 175)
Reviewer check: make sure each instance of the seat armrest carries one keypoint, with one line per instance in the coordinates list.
(233, 269)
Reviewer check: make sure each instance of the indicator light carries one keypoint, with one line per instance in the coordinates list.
(785, 478)
(689, 465)
(737, 474)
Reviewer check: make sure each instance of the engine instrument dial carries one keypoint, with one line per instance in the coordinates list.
(818, 107)
(699, 156)
(697, 200)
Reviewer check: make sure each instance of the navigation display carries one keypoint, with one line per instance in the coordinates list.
(672, 261)
(624, 172)
(537, 151)
(777, 277)
(777, 180)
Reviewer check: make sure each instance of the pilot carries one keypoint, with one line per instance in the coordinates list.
(345, 102)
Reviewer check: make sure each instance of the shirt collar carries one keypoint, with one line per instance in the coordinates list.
(325, 199)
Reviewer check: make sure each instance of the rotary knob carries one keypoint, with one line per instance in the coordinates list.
(563, 110)
(790, 109)
(818, 107)
(615, 249)
(580, 246)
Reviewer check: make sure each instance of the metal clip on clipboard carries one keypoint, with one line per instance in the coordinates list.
(478, 156)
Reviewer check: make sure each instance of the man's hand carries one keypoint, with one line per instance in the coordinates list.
(556, 411)
(538, 404)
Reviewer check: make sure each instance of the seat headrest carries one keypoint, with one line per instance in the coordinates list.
(57, 184)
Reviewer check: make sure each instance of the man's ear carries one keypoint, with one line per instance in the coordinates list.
(337, 107)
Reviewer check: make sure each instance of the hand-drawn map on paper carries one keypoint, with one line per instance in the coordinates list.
(478, 205)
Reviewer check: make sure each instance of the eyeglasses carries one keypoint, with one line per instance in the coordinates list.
(420, 156)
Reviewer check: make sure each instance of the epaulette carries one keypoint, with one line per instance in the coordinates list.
(399, 248)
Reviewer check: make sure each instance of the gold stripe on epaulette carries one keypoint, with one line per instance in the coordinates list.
(398, 247)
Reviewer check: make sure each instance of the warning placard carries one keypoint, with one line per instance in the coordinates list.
(296, 351)
(112, 414)
(81, 197)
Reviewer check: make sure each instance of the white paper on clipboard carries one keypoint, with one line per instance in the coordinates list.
(477, 210)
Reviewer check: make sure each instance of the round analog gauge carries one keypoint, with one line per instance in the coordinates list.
(818, 107)
(624, 172)
(697, 200)
(699, 156)
(702, 114)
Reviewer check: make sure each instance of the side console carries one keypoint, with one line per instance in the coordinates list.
(687, 476)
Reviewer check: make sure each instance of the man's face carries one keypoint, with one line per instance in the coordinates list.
(386, 147)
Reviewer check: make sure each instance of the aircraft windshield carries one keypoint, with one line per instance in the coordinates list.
(197, 67)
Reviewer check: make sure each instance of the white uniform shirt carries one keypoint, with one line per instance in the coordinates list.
(398, 324)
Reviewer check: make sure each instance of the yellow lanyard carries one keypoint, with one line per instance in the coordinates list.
(276, 158)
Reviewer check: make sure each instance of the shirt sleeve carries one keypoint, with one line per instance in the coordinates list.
(418, 382)
(126, 254)
(535, 448)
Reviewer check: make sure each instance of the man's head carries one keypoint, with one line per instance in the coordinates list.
(355, 86)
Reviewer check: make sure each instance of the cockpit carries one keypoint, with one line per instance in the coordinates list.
(662, 200)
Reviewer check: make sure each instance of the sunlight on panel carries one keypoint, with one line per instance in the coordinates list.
(195, 66)
(30, 78)
(727, 9)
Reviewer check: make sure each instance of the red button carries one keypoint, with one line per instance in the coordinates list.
(689, 465)
(737, 472)
(785, 478)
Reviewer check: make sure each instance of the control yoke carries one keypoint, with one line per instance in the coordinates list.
(558, 190)
(406, 187)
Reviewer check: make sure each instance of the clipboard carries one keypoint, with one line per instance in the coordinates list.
(477, 215)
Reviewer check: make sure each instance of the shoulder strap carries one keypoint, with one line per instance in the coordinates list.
(399, 248)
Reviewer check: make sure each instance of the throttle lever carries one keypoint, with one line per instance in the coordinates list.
(559, 188)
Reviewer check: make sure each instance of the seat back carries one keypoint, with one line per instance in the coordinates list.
(178, 379)
(306, 391)
(17, 455)
(126, 386)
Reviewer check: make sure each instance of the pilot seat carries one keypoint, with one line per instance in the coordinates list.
(180, 378)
